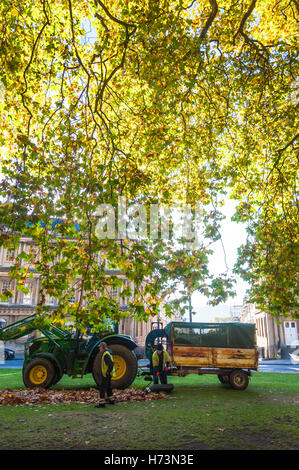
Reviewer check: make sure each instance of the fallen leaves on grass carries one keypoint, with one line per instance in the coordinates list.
(35, 396)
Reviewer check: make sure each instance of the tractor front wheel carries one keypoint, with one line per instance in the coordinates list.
(38, 373)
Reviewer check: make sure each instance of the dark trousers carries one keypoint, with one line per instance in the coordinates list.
(105, 387)
(162, 375)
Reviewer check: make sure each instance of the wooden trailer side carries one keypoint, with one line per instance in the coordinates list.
(234, 357)
(193, 356)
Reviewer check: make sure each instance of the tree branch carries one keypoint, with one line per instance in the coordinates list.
(113, 18)
(47, 22)
(247, 39)
(212, 16)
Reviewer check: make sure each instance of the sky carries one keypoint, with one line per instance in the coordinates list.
(233, 235)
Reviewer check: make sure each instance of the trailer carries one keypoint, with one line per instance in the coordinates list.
(227, 350)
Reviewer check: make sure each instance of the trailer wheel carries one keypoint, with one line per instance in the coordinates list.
(39, 373)
(125, 364)
(238, 379)
(224, 379)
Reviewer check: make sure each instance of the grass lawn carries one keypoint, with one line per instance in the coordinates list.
(199, 414)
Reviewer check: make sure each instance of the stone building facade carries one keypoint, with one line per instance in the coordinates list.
(275, 337)
(22, 305)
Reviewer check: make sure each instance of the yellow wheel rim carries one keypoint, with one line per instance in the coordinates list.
(120, 367)
(38, 375)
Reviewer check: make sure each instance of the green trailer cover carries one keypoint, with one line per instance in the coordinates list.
(218, 335)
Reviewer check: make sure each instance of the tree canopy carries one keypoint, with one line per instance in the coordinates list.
(182, 102)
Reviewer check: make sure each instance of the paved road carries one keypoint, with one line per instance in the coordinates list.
(16, 363)
(284, 366)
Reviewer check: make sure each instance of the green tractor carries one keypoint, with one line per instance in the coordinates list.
(59, 352)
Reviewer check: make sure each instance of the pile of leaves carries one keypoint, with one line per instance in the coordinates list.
(89, 396)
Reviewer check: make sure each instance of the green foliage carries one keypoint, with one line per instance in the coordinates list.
(160, 102)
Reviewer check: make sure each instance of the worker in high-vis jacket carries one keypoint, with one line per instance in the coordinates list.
(160, 361)
(107, 372)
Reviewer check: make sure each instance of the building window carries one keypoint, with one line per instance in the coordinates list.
(124, 299)
(28, 298)
(51, 300)
(6, 285)
(72, 299)
(10, 255)
(291, 335)
(114, 293)
(34, 252)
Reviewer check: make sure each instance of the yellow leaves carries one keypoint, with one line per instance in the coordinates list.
(14, 12)
(277, 26)
(196, 24)
(133, 133)
(74, 305)
(127, 264)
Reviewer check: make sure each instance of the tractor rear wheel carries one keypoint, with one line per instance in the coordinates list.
(125, 365)
(39, 372)
(58, 376)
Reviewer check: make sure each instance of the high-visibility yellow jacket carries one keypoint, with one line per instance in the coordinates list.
(107, 360)
(155, 358)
